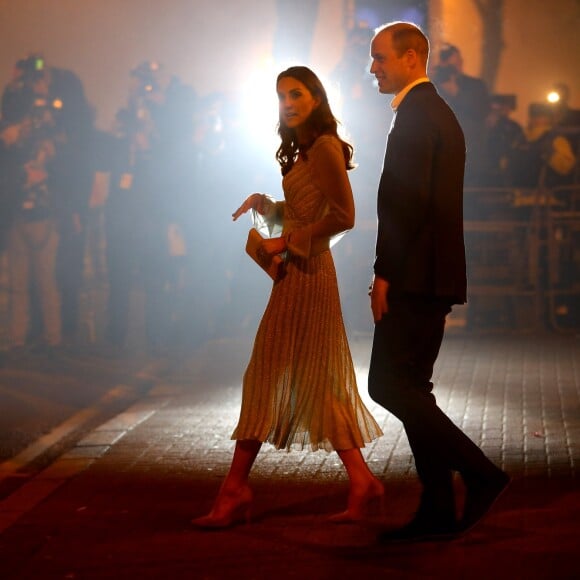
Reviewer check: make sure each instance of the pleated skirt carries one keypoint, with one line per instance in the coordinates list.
(299, 388)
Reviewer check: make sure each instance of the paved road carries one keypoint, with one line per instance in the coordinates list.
(48, 404)
(118, 504)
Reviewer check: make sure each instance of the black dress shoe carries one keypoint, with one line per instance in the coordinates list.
(420, 530)
(480, 497)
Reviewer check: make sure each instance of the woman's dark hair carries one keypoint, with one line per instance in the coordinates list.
(320, 122)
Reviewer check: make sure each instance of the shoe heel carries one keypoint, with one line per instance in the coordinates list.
(228, 511)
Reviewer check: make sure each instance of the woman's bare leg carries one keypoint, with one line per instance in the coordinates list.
(245, 454)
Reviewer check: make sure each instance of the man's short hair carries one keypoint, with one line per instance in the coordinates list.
(407, 35)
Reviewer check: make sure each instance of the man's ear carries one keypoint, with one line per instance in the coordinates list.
(412, 57)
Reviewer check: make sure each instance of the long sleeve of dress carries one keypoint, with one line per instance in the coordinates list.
(328, 173)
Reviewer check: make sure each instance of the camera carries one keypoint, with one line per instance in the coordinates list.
(30, 69)
(146, 75)
(19, 100)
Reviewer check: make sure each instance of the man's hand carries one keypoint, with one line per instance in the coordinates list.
(379, 302)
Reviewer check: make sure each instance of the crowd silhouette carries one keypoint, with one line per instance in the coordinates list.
(140, 211)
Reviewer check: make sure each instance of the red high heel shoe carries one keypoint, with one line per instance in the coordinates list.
(362, 506)
(230, 508)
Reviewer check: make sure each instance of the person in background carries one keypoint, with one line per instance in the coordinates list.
(150, 163)
(546, 157)
(299, 388)
(504, 137)
(468, 98)
(30, 140)
(419, 273)
(567, 121)
(564, 114)
(10, 173)
(53, 103)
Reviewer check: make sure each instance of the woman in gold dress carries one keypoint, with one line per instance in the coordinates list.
(299, 388)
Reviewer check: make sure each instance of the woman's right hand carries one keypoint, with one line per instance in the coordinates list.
(255, 201)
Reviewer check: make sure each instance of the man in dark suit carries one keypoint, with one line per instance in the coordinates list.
(419, 273)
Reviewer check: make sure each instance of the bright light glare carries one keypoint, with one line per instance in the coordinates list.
(553, 97)
(260, 106)
(260, 103)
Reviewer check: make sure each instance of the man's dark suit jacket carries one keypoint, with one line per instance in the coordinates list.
(420, 248)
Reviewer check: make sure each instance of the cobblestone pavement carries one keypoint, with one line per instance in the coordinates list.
(118, 505)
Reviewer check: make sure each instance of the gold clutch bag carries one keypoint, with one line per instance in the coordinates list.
(272, 265)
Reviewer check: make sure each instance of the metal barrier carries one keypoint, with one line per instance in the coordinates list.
(562, 225)
(523, 256)
(502, 266)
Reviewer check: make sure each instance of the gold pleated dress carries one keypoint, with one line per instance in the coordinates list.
(299, 388)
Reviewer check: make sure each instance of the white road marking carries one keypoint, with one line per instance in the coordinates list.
(11, 466)
(89, 449)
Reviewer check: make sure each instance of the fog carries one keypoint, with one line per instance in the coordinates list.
(229, 54)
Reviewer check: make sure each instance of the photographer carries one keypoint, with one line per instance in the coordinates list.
(28, 145)
(504, 138)
(150, 182)
(468, 98)
(10, 174)
(52, 159)
(546, 158)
